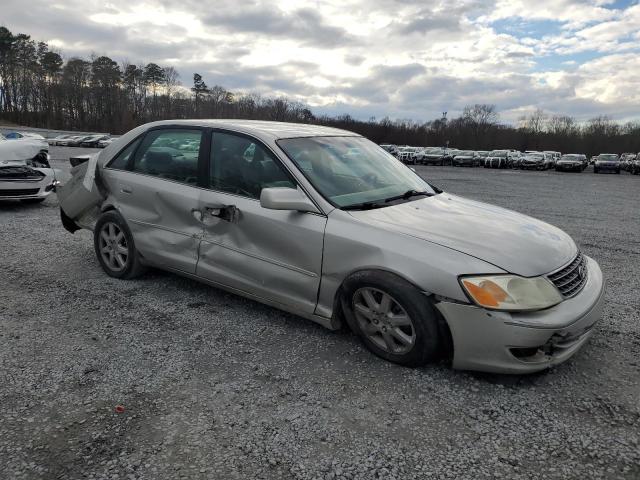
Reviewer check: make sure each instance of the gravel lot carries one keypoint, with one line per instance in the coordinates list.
(216, 386)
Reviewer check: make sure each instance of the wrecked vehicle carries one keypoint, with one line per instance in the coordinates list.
(497, 159)
(25, 172)
(466, 158)
(572, 162)
(323, 223)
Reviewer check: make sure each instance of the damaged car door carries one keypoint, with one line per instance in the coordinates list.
(272, 254)
(155, 184)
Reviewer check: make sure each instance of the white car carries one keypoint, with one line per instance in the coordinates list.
(105, 142)
(25, 172)
(58, 139)
(21, 135)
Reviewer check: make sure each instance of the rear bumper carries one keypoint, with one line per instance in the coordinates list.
(503, 342)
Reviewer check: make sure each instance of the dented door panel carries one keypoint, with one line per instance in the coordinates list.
(274, 254)
(158, 212)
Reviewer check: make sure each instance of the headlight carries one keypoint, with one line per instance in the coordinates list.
(511, 292)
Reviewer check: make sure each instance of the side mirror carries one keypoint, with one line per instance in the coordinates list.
(286, 199)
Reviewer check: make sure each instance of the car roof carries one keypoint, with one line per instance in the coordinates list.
(262, 129)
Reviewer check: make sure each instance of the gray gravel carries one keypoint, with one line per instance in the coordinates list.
(216, 386)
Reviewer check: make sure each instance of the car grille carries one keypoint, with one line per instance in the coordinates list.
(18, 192)
(20, 174)
(570, 279)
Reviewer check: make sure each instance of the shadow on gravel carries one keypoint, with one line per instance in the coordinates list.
(512, 381)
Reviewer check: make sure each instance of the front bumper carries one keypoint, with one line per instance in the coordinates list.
(525, 342)
(531, 166)
(569, 166)
(607, 166)
(23, 190)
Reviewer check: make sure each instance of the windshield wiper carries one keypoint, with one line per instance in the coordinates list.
(408, 194)
(376, 204)
(363, 206)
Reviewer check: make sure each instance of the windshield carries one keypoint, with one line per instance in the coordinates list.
(351, 170)
(570, 157)
(499, 154)
(608, 156)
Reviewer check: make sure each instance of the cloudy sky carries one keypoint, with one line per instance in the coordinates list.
(401, 58)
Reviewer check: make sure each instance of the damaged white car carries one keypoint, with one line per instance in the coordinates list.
(25, 171)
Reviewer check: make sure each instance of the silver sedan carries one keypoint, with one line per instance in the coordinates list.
(325, 224)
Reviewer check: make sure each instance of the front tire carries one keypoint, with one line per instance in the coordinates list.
(394, 320)
(115, 248)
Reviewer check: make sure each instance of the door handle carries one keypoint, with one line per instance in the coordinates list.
(126, 190)
(230, 213)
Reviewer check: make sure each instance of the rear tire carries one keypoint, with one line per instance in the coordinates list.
(394, 320)
(115, 248)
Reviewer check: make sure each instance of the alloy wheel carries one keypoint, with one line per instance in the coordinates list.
(383, 320)
(113, 247)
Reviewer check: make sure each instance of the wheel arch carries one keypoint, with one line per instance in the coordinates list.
(444, 330)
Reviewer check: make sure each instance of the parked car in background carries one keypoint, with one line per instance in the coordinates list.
(25, 172)
(482, 154)
(497, 159)
(324, 224)
(571, 162)
(65, 142)
(552, 157)
(514, 158)
(19, 135)
(533, 161)
(635, 166)
(626, 161)
(407, 154)
(449, 153)
(608, 162)
(93, 141)
(546, 156)
(55, 140)
(585, 160)
(77, 141)
(432, 156)
(466, 158)
(392, 149)
(105, 143)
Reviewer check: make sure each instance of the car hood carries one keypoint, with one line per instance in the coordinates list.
(509, 240)
(21, 149)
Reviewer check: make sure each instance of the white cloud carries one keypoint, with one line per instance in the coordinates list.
(405, 58)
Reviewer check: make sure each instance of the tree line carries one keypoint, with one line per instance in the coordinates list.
(39, 88)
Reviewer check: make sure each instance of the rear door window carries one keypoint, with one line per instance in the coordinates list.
(171, 154)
